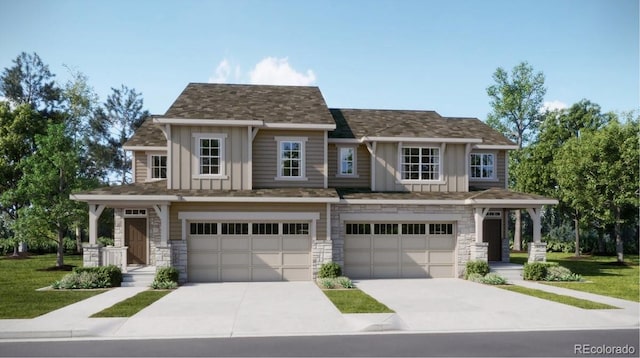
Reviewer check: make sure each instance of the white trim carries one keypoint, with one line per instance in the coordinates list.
(303, 158)
(132, 215)
(339, 173)
(328, 222)
(256, 199)
(494, 177)
(144, 148)
(248, 216)
(325, 164)
(403, 201)
(345, 140)
(120, 198)
(467, 152)
(249, 173)
(421, 140)
(511, 203)
(300, 126)
(506, 170)
(145, 199)
(400, 168)
(209, 122)
(169, 156)
(495, 146)
(423, 218)
(150, 164)
(133, 167)
(373, 151)
(195, 155)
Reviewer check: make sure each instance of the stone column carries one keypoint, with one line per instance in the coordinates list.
(163, 256)
(480, 251)
(537, 252)
(179, 258)
(322, 251)
(90, 255)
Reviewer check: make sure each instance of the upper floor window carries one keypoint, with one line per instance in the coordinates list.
(291, 158)
(420, 163)
(346, 161)
(482, 166)
(209, 155)
(158, 166)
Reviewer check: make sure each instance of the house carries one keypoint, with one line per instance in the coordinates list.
(252, 183)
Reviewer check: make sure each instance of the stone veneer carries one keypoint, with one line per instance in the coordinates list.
(90, 255)
(322, 251)
(537, 251)
(179, 258)
(153, 232)
(465, 228)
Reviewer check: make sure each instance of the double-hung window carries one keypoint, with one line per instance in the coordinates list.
(210, 160)
(158, 166)
(482, 165)
(291, 158)
(347, 161)
(421, 163)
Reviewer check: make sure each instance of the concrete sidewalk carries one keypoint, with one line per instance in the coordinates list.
(300, 308)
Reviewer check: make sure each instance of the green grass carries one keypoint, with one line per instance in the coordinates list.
(603, 276)
(132, 305)
(21, 277)
(567, 300)
(355, 301)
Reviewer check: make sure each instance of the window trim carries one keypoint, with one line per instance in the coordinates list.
(339, 173)
(495, 166)
(303, 158)
(400, 169)
(150, 156)
(221, 137)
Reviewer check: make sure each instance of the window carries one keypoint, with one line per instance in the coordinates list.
(385, 229)
(346, 161)
(440, 229)
(235, 229)
(482, 166)
(264, 228)
(420, 163)
(413, 229)
(358, 229)
(295, 229)
(209, 158)
(140, 213)
(203, 228)
(291, 154)
(158, 166)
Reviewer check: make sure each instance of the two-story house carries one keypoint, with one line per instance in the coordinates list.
(251, 183)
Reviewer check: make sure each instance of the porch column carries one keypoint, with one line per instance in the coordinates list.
(537, 249)
(537, 226)
(478, 215)
(95, 210)
(479, 250)
(163, 213)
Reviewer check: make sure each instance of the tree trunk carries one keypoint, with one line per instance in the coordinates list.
(517, 232)
(576, 221)
(15, 250)
(78, 239)
(601, 247)
(60, 255)
(619, 242)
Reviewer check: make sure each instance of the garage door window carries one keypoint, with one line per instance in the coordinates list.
(295, 229)
(440, 229)
(235, 229)
(264, 229)
(358, 229)
(385, 229)
(413, 229)
(203, 229)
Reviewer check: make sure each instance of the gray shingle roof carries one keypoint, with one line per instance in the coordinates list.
(148, 135)
(486, 194)
(357, 123)
(272, 104)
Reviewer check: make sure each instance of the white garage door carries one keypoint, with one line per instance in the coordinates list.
(245, 251)
(399, 250)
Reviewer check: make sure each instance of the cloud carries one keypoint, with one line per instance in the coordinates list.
(222, 72)
(553, 105)
(277, 71)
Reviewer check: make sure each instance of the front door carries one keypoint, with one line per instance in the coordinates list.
(135, 238)
(492, 233)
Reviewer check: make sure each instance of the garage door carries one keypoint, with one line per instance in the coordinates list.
(245, 251)
(399, 250)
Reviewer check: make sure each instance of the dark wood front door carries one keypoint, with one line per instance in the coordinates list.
(492, 233)
(135, 238)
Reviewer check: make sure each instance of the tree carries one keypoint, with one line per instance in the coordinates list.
(29, 81)
(516, 103)
(50, 176)
(113, 125)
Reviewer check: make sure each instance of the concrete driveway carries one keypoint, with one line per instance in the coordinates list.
(457, 305)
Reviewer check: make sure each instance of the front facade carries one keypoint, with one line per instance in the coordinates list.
(266, 183)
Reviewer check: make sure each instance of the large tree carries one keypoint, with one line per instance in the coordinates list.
(30, 81)
(516, 101)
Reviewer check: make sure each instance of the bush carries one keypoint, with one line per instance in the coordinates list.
(535, 271)
(82, 280)
(329, 270)
(559, 273)
(493, 279)
(164, 285)
(111, 274)
(105, 241)
(476, 266)
(475, 277)
(326, 282)
(170, 274)
(345, 282)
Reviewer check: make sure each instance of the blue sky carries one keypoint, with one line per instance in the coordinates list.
(397, 54)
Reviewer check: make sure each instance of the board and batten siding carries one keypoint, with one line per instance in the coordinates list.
(388, 170)
(363, 168)
(140, 159)
(501, 172)
(175, 231)
(265, 159)
(183, 157)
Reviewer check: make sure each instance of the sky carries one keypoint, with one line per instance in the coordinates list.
(398, 54)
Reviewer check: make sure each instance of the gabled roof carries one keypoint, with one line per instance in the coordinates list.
(270, 104)
(359, 123)
(148, 134)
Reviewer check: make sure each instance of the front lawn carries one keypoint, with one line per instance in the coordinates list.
(567, 300)
(132, 305)
(603, 275)
(21, 277)
(355, 301)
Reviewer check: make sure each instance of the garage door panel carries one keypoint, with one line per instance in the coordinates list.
(203, 274)
(380, 271)
(440, 257)
(266, 243)
(296, 244)
(357, 243)
(236, 258)
(296, 274)
(358, 258)
(411, 257)
(235, 243)
(354, 271)
(203, 258)
(203, 244)
(266, 259)
(414, 271)
(385, 257)
(440, 271)
(235, 274)
(385, 242)
(441, 243)
(414, 243)
(295, 259)
(266, 274)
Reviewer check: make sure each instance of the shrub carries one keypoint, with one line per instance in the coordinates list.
(474, 277)
(82, 280)
(164, 285)
(105, 241)
(170, 274)
(326, 282)
(493, 278)
(111, 274)
(329, 270)
(476, 266)
(535, 271)
(345, 282)
(559, 273)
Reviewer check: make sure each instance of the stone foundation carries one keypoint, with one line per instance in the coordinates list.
(506, 252)
(537, 252)
(90, 255)
(179, 258)
(480, 251)
(322, 251)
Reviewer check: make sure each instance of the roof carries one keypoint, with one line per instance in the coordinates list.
(358, 123)
(148, 134)
(271, 104)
